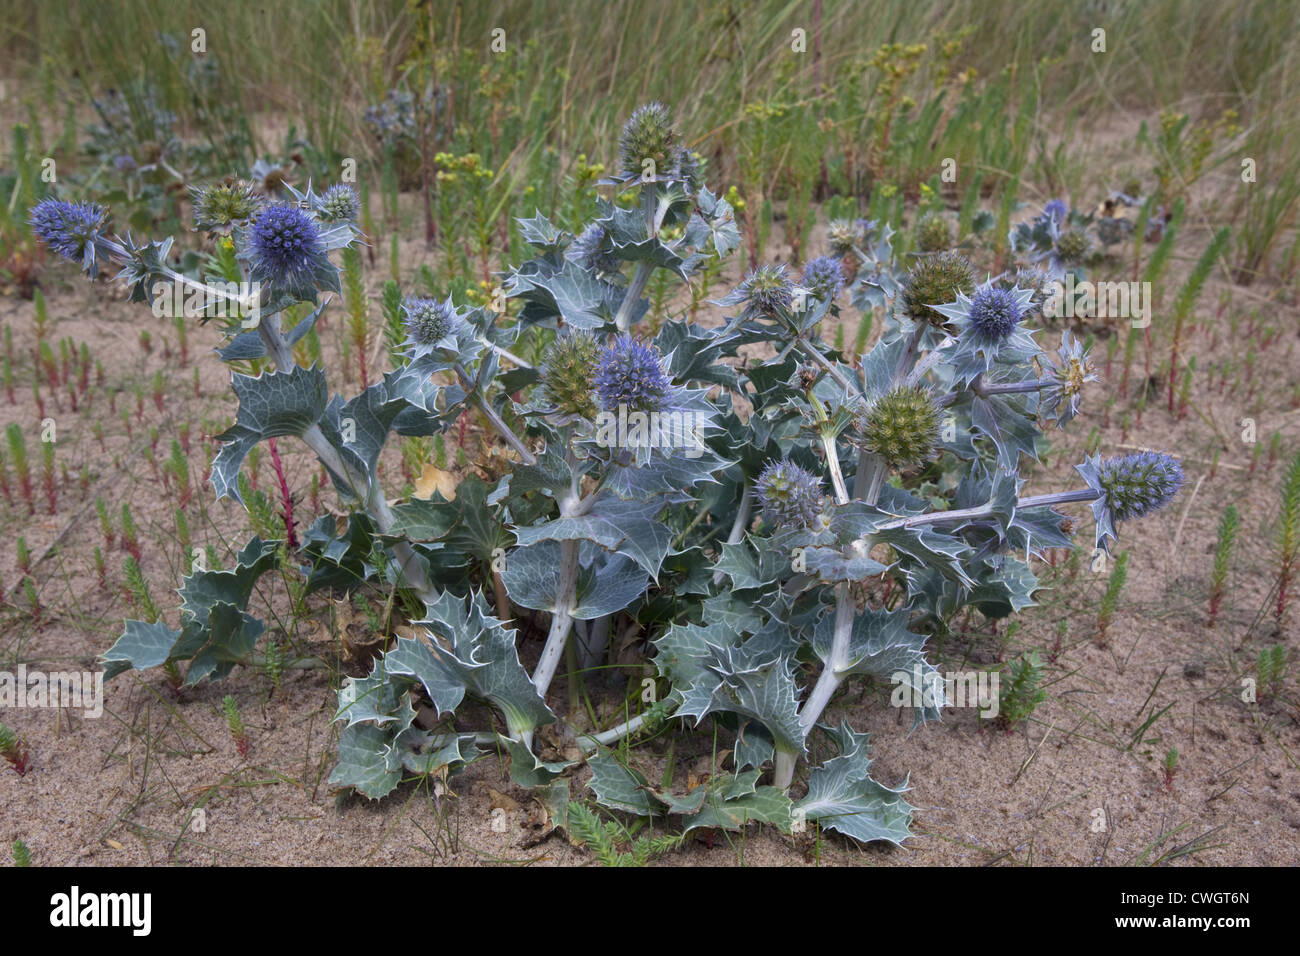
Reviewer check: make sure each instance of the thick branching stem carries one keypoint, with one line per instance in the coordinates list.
(363, 487)
(984, 390)
(561, 618)
(649, 204)
(739, 525)
(566, 592)
(590, 743)
(836, 375)
(475, 397)
(623, 318)
(867, 484)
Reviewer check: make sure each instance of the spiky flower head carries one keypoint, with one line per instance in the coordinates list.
(1056, 209)
(768, 290)
(429, 322)
(933, 234)
(287, 249)
(631, 374)
(649, 135)
(1074, 370)
(789, 496)
(1072, 246)
(588, 251)
(1035, 281)
(567, 372)
(71, 229)
(218, 208)
(935, 280)
(824, 277)
(842, 235)
(994, 313)
(902, 426)
(339, 203)
(1130, 486)
(124, 163)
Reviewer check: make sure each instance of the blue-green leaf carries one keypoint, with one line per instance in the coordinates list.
(270, 405)
(842, 796)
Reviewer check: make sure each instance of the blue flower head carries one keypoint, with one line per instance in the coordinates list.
(339, 203)
(1130, 486)
(994, 313)
(824, 277)
(768, 290)
(631, 374)
(588, 251)
(430, 324)
(71, 229)
(790, 496)
(1056, 209)
(988, 329)
(287, 250)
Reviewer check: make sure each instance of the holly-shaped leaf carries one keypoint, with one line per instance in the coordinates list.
(270, 405)
(880, 645)
(623, 527)
(842, 796)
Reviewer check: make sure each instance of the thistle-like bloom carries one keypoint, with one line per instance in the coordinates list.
(1063, 396)
(287, 250)
(1129, 486)
(789, 496)
(1072, 246)
(74, 230)
(933, 234)
(768, 290)
(1056, 209)
(843, 235)
(994, 313)
(824, 277)
(587, 251)
(221, 207)
(124, 163)
(632, 375)
(649, 135)
(933, 281)
(339, 203)
(430, 324)
(1035, 281)
(902, 427)
(567, 373)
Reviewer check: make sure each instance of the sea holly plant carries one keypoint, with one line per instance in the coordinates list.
(758, 520)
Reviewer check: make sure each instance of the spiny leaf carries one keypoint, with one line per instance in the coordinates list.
(270, 405)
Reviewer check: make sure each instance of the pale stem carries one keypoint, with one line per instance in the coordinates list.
(566, 591)
(561, 618)
(368, 492)
(866, 486)
(983, 511)
(623, 318)
(590, 743)
(813, 353)
(998, 388)
(477, 399)
(594, 643)
(738, 526)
